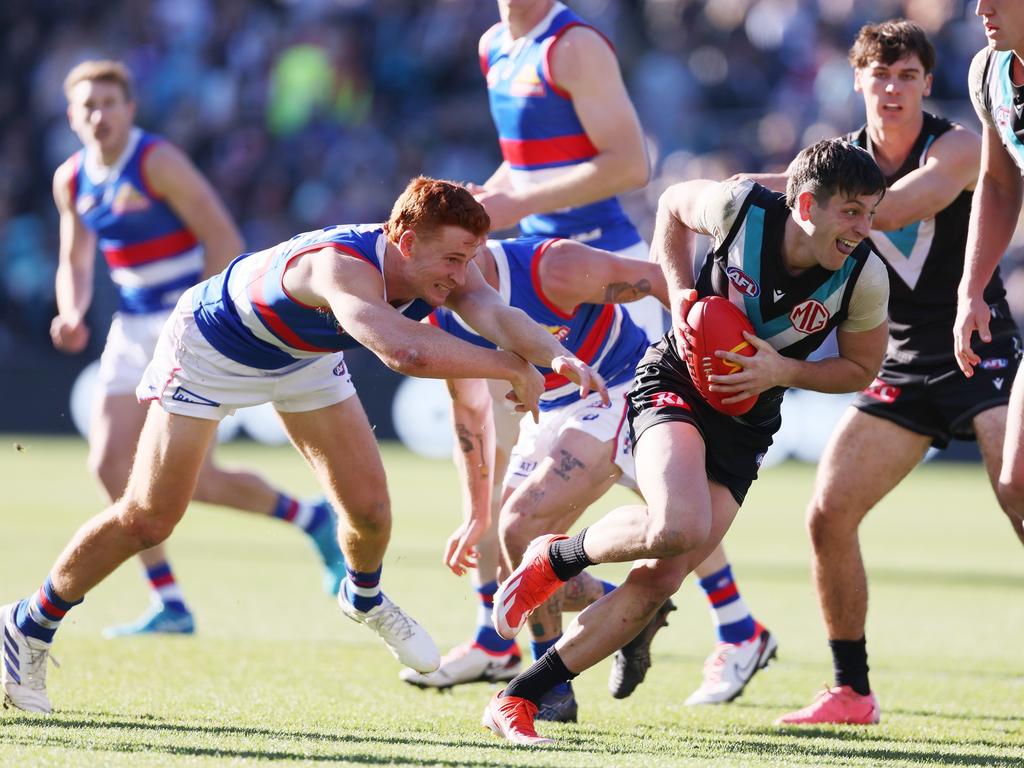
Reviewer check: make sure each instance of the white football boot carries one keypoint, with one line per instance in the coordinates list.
(467, 663)
(23, 672)
(407, 640)
(731, 666)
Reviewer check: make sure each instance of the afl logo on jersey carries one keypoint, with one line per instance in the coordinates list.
(743, 282)
(809, 316)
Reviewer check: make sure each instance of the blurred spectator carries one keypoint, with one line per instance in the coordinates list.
(311, 112)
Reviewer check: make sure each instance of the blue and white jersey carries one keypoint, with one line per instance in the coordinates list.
(601, 335)
(540, 133)
(993, 92)
(152, 256)
(247, 315)
(793, 313)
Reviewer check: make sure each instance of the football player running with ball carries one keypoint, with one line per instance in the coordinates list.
(798, 266)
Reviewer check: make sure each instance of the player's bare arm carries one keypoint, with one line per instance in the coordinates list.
(994, 210)
(583, 65)
(510, 328)
(572, 274)
(77, 258)
(951, 168)
(353, 291)
(172, 176)
(678, 222)
(473, 423)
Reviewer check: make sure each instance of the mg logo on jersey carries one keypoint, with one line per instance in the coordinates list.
(668, 399)
(743, 282)
(809, 316)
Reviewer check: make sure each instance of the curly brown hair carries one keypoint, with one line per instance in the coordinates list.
(428, 204)
(890, 41)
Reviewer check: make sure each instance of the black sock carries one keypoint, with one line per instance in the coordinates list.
(850, 661)
(567, 556)
(547, 672)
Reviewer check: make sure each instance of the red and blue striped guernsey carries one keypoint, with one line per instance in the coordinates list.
(152, 256)
(540, 133)
(246, 314)
(601, 335)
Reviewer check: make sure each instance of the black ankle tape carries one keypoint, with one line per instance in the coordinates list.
(568, 557)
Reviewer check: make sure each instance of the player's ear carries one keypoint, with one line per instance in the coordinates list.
(405, 243)
(804, 202)
(928, 84)
(856, 80)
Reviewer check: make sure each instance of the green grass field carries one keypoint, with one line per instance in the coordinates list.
(276, 673)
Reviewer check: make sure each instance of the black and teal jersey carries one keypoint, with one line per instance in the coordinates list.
(925, 260)
(793, 313)
(996, 99)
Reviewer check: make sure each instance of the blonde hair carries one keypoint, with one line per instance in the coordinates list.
(102, 70)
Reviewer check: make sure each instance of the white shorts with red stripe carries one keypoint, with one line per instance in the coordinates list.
(606, 423)
(190, 378)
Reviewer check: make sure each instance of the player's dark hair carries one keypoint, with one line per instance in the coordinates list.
(833, 166)
(890, 41)
(428, 204)
(101, 70)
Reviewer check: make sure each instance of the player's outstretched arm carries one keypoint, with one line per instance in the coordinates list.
(473, 424)
(572, 273)
(512, 329)
(77, 257)
(171, 175)
(354, 291)
(950, 168)
(994, 211)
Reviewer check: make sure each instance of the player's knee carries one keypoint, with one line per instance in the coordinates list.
(145, 524)
(1010, 492)
(657, 584)
(370, 515)
(827, 520)
(111, 469)
(675, 534)
(515, 531)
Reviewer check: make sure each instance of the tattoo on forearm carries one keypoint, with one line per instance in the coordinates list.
(622, 292)
(566, 464)
(468, 443)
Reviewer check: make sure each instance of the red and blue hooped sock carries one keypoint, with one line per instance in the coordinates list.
(732, 617)
(486, 636)
(362, 588)
(40, 615)
(165, 587)
(306, 515)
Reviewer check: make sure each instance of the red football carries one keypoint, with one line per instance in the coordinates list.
(717, 323)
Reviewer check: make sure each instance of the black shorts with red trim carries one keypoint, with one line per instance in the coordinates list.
(663, 392)
(937, 400)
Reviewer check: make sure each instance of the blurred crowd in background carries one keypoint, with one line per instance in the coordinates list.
(305, 113)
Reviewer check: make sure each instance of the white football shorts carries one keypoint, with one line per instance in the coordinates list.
(190, 378)
(605, 423)
(128, 350)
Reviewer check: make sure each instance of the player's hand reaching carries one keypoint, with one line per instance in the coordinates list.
(527, 387)
(972, 314)
(69, 335)
(504, 208)
(582, 374)
(460, 552)
(763, 370)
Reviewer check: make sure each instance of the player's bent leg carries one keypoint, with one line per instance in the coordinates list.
(867, 456)
(1006, 459)
(166, 463)
(114, 432)
(338, 444)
